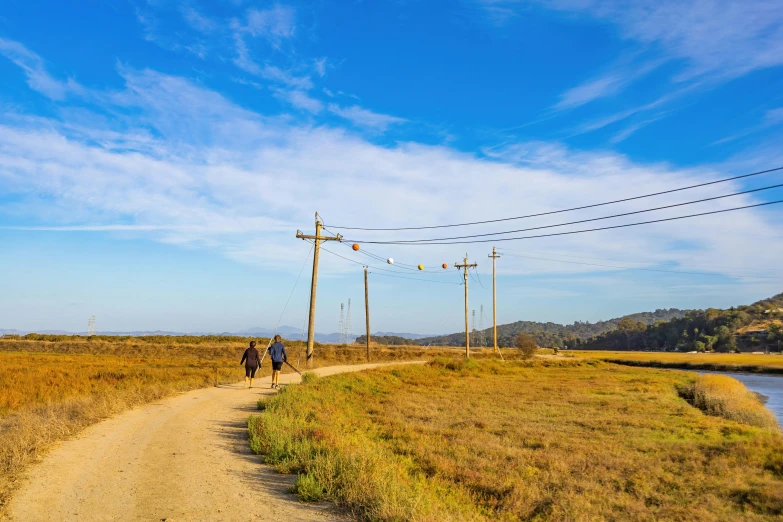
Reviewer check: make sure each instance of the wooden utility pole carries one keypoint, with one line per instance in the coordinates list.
(494, 257)
(317, 238)
(367, 312)
(465, 267)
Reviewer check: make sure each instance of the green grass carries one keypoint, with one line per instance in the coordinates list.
(538, 440)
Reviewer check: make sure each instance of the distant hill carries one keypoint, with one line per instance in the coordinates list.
(755, 327)
(552, 334)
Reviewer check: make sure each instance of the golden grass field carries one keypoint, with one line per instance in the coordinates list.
(55, 386)
(565, 439)
(726, 362)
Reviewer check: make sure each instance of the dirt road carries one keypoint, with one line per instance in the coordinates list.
(183, 458)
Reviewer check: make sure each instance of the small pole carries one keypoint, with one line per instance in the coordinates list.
(367, 312)
(465, 267)
(494, 257)
(317, 238)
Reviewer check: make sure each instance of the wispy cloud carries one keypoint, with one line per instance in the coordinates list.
(205, 172)
(365, 118)
(590, 91)
(772, 118)
(300, 100)
(275, 23)
(37, 76)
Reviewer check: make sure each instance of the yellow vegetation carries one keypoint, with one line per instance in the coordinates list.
(747, 362)
(53, 386)
(539, 440)
(726, 397)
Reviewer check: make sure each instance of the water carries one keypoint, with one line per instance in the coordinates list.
(768, 385)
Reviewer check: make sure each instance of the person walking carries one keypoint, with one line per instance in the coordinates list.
(252, 362)
(278, 355)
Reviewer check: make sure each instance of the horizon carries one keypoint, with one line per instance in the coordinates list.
(155, 166)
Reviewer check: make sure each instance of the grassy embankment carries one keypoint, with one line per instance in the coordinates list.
(51, 387)
(720, 362)
(541, 440)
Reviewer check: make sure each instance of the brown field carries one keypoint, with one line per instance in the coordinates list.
(727, 362)
(539, 440)
(51, 387)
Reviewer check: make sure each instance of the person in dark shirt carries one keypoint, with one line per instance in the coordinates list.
(252, 361)
(278, 356)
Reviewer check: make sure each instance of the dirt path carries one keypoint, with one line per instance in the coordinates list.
(183, 458)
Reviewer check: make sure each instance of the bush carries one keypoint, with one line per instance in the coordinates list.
(526, 344)
(308, 489)
(309, 377)
(723, 396)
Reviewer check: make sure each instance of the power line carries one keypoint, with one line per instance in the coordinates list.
(576, 231)
(642, 269)
(385, 270)
(591, 219)
(724, 180)
(397, 264)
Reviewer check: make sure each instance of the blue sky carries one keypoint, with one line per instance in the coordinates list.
(157, 157)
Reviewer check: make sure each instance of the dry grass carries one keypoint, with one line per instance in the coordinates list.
(728, 398)
(51, 387)
(724, 362)
(538, 440)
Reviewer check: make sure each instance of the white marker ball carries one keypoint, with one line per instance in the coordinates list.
(390, 261)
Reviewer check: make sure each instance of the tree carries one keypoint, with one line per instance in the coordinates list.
(526, 344)
(700, 346)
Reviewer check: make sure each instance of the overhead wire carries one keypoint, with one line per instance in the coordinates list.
(397, 264)
(724, 180)
(662, 220)
(379, 268)
(623, 214)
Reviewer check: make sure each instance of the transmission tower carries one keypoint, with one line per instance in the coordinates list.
(481, 326)
(348, 327)
(341, 326)
(91, 325)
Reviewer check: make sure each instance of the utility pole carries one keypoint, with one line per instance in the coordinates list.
(494, 257)
(367, 312)
(465, 266)
(317, 238)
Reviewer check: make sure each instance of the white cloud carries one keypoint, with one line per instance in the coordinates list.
(365, 118)
(275, 23)
(300, 100)
(37, 77)
(186, 166)
(722, 38)
(197, 20)
(590, 91)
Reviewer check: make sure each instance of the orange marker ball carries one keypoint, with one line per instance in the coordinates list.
(355, 246)
(445, 265)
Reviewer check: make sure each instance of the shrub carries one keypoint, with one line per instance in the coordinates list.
(308, 489)
(526, 344)
(309, 377)
(723, 396)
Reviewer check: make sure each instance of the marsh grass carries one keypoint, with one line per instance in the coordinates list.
(720, 362)
(726, 397)
(540, 440)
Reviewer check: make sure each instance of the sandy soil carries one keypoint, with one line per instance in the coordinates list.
(183, 458)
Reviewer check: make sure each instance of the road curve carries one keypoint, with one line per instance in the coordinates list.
(182, 458)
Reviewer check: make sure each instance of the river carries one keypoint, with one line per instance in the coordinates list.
(768, 385)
